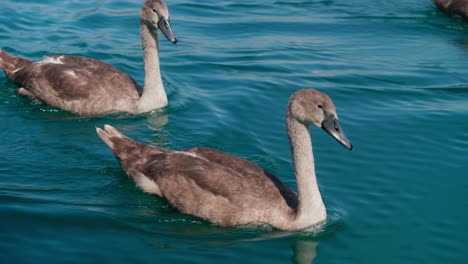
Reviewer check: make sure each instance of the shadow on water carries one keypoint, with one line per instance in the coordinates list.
(457, 26)
(304, 250)
(200, 235)
(302, 244)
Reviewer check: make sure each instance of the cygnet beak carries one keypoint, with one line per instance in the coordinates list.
(332, 127)
(165, 27)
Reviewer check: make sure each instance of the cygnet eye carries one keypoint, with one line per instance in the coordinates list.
(319, 106)
(154, 10)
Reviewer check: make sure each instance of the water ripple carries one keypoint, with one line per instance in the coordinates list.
(395, 70)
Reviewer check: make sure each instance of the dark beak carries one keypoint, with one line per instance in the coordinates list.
(332, 127)
(165, 27)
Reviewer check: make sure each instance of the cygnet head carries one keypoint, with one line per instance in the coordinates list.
(312, 107)
(155, 15)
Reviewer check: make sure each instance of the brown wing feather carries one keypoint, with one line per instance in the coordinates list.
(223, 188)
(80, 85)
(247, 169)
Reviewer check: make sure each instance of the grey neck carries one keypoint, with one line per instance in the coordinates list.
(153, 95)
(311, 209)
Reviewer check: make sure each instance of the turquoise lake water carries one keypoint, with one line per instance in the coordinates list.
(396, 70)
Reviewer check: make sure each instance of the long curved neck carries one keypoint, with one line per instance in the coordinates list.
(153, 95)
(311, 208)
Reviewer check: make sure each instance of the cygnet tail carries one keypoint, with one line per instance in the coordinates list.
(110, 135)
(123, 147)
(10, 63)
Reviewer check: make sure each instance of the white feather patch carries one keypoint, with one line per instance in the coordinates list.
(71, 73)
(47, 59)
(189, 154)
(146, 184)
(16, 70)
